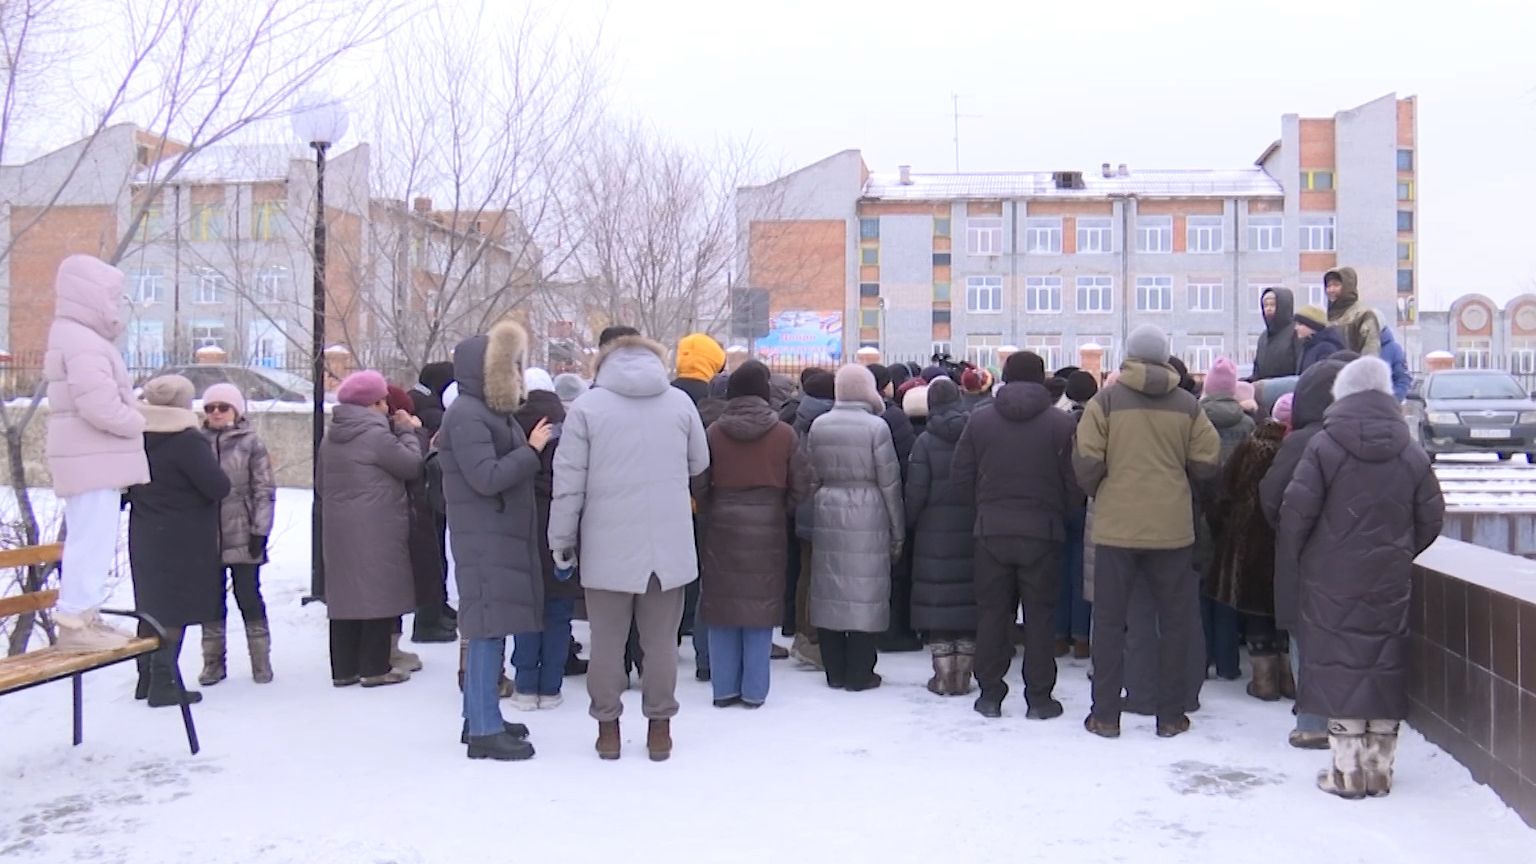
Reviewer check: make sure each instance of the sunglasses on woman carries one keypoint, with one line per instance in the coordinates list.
(218, 408)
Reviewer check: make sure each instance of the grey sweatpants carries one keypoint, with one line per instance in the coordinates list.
(656, 615)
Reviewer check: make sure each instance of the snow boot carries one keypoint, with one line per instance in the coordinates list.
(516, 730)
(1265, 685)
(965, 665)
(807, 652)
(1308, 740)
(1379, 756)
(214, 669)
(405, 661)
(501, 746)
(258, 638)
(1101, 728)
(141, 689)
(1046, 709)
(658, 740)
(943, 668)
(393, 676)
(989, 705)
(1287, 680)
(609, 745)
(164, 676)
(1346, 779)
(1173, 728)
(526, 701)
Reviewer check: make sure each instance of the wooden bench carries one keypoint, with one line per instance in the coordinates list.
(49, 664)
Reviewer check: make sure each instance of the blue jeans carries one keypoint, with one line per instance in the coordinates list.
(482, 667)
(700, 637)
(1223, 636)
(1304, 722)
(539, 657)
(741, 658)
(1073, 613)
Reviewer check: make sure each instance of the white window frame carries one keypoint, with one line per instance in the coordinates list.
(1098, 288)
(1317, 294)
(1202, 349)
(1205, 235)
(943, 348)
(149, 286)
(1042, 295)
(1154, 235)
(1205, 295)
(1154, 293)
(1522, 356)
(270, 282)
(984, 235)
(980, 288)
(1048, 346)
(210, 285)
(1319, 234)
(207, 333)
(1474, 352)
(981, 348)
(1266, 232)
(1042, 235)
(1095, 235)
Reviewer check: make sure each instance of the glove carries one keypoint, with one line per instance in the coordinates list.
(257, 546)
(565, 564)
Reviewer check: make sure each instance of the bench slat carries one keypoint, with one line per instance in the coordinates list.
(34, 601)
(49, 663)
(26, 555)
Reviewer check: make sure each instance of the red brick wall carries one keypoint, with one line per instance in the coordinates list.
(34, 261)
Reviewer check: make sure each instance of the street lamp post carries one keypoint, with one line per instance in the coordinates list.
(319, 121)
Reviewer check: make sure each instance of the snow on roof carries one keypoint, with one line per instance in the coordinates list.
(1153, 183)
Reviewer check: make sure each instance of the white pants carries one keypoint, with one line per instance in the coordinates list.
(90, 549)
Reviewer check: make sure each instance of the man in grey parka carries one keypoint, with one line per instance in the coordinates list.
(628, 452)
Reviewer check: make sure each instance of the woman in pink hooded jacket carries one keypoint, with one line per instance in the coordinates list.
(95, 441)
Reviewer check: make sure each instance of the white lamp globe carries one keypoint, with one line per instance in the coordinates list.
(319, 119)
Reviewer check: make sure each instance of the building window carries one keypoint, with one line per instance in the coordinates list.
(1404, 281)
(869, 289)
(942, 348)
(1042, 236)
(981, 348)
(1405, 190)
(941, 259)
(1095, 235)
(1201, 352)
(1095, 293)
(869, 317)
(869, 229)
(941, 316)
(1154, 293)
(1317, 181)
(207, 333)
(1405, 250)
(1405, 220)
(984, 294)
(1266, 233)
(984, 235)
(1317, 294)
(149, 286)
(941, 226)
(1205, 296)
(146, 343)
(207, 222)
(267, 220)
(272, 283)
(1205, 234)
(1474, 353)
(941, 292)
(1042, 294)
(152, 225)
(1048, 346)
(1154, 234)
(869, 256)
(1522, 356)
(1405, 160)
(210, 285)
(1317, 234)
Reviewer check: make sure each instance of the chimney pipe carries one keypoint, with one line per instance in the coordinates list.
(423, 205)
(1125, 170)
(1107, 172)
(906, 174)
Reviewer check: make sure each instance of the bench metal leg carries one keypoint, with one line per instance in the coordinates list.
(74, 685)
(186, 711)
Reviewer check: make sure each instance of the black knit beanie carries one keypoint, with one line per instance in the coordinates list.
(750, 379)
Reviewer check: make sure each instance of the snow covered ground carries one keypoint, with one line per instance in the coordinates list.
(296, 771)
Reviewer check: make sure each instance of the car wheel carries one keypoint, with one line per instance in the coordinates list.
(1504, 457)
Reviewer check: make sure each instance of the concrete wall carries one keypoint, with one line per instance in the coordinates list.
(1367, 200)
(906, 284)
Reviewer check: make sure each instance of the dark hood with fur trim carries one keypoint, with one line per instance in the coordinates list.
(490, 367)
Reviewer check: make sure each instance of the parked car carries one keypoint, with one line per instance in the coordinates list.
(1472, 411)
(258, 384)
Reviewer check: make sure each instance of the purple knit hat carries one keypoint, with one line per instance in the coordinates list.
(362, 388)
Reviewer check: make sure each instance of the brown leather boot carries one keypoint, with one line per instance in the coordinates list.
(608, 743)
(659, 740)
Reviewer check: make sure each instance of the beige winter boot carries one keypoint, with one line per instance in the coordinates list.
(402, 660)
(1346, 779)
(258, 639)
(87, 633)
(1379, 756)
(214, 669)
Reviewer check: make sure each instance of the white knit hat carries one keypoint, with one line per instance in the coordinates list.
(1362, 376)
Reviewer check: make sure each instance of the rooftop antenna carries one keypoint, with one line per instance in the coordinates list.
(955, 101)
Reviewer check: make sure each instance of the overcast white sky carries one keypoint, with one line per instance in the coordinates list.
(1176, 83)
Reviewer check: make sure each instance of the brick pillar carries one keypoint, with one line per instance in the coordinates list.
(1439, 361)
(212, 355)
(339, 363)
(735, 356)
(1091, 359)
(867, 356)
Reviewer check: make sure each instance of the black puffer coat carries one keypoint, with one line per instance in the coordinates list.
(1278, 351)
(544, 405)
(1363, 504)
(903, 436)
(942, 522)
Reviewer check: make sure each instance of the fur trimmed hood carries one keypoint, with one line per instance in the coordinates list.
(167, 418)
(490, 367)
(633, 366)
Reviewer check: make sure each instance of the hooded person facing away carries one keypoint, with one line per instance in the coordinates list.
(1278, 351)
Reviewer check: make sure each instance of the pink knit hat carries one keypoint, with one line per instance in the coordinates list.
(1282, 410)
(225, 393)
(362, 388)
(1222, 379)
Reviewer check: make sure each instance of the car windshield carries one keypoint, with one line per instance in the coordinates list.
(1490, 386)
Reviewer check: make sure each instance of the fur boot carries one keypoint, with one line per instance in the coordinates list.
(214, 669)
(965, 665)
(1265, 685)
(1346, 779)
(943, 667)
(1379, 757)
(258, 639)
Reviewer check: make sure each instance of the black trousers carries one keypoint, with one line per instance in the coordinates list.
(1010, 570)
(849, 658)
(246, 579)
(1169, 576)
(360, 648)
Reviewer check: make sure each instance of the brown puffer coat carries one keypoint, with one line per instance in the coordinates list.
(252, 498)
(757, 475)
(1243, 575)
(1363, 504)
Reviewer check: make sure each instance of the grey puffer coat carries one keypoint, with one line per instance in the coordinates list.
(488, 481)
(248, 510)
(943, 522)
(1363, 504)
(364, 466)
(858, 516)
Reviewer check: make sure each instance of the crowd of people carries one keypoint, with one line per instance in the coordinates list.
(1150, 522)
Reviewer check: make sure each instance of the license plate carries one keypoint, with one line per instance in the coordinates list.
(1490, 433)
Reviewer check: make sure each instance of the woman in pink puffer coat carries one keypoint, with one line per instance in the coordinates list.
(95, 441)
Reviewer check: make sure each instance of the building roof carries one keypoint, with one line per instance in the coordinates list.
(1154, 183)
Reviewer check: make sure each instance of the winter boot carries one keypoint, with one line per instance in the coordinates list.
(609, 745)
(165, 686)
(1346, 779)
(393, 676)
(807, 652)
(1287, 680)
(658, 740)
(141, 689)
(87, 633)
(502, 746)
(431, 625)
(258, 638)
(402, 660)
(1173, 728)
(1307, 740)
(516, 730)
(214, 669)
(1379, 757)
(943, 668)
(965, 665)
(1265, 685)
(1045, 709)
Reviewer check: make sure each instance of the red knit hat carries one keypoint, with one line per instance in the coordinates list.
(975, 381)
(399, 400)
